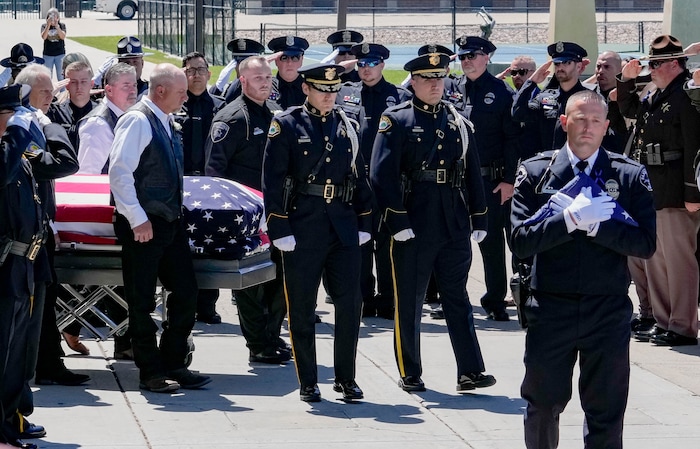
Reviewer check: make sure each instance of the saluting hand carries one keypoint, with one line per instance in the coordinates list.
(631, 70)
(539, 75)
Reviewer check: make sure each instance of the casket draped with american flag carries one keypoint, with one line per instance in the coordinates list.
(222, 217)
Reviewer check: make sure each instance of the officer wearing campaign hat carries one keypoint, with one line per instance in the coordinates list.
(21, 55)
(430, 215)
(129, 51)
(286, 87)
(541, 110)
(240, 48)
(487, 102)
(318, 206)
(342, 41)
(367, 100)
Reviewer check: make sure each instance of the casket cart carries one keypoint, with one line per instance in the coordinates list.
(229, 251)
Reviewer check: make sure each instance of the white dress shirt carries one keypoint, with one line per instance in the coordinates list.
(96, 137)
(131, 136)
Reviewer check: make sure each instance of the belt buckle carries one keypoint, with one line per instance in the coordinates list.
(441, 175)
(329, 191)
(34, 250)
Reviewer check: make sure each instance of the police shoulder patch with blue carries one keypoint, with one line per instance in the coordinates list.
(275, 129)
(644, 179)
(384, 124)
(520, 176)
(219, 130)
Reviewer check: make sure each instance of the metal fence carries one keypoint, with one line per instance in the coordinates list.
(19, 9)
(180, 26)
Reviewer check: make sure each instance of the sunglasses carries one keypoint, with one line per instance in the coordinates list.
(470, 56)
(295, 58)
(362, 64)
(343, 53)
(192, 71)
(657, 64)
(521, 72)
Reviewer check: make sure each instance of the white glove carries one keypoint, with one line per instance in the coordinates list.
(287, 243)
(331, 57)
(6, 74)
(225, 74)
(478, 235)
(22, 117)
(560, 201)
(109, 62)
(584, 210)
(404, 235)
(364, 237)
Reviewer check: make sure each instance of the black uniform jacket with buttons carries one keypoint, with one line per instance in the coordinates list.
(236, 143)
(496, 132)
(20, 215)
(296, 143)
(205, 106)
(575, 263)
(367, 103)
(672, 122)
(436, 212)
(287, 94)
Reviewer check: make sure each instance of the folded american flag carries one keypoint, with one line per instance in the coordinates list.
(572, 189)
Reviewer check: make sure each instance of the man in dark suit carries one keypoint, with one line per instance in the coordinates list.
(579, 307)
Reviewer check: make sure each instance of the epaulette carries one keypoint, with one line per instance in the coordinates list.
(621, 158)
(404, 105)
(543, 156)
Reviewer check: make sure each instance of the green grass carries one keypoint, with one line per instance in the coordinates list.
(109, 44)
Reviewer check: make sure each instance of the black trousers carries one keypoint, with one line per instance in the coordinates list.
(166, 257)
(414, 261)
(303, 268)
(34, 330)
(561, 328)
(493, 249)
(261, 310)
(48, 358)
(375, 254)
(14, 330)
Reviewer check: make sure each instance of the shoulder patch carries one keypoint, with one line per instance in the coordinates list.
(520, 176)
(275, 129)
(219, 131)
(644, 179)
(384, 124)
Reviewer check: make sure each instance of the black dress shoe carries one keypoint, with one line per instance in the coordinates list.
(318, 319)
(209, 317)
(671, 338)
(159, 384)
(411, 383)
(470, 381)
(187, 379)
(271, 356)
(640, 324)
(385, 312)
(648, 335)
(437, 313)
(349, 389)
(498, 315)
(310, 394)
(368, 311)
(61, 377)
(22, 444)
(30, 430)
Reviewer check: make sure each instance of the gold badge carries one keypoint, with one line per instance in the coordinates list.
(275, 129)
(434, 59)
(384, 124)
(330, 73)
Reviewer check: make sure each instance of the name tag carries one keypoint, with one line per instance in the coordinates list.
(550, 190)
(304, 140)
(417, 129)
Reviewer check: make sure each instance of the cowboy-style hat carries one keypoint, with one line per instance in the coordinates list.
(21, 55)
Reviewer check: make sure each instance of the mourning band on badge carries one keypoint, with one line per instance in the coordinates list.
(219, 131)
(384, 124)
(275, 129)
(520, 176)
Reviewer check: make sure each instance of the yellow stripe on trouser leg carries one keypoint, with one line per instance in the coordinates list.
(397, 325)
(289, 318)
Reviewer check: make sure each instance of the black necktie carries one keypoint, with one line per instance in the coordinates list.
(582, 165)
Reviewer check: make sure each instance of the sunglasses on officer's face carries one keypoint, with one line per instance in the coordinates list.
(521, 72)
(657, 64)
(470, 56)
(362, 64)
(294, 58)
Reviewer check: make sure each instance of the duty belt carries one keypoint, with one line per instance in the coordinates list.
(327, 191)
(439, 176)
(672, 155)
(28, 250)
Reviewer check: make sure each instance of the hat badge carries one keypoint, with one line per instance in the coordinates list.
(129, 47)
(434, 59)
(22, 59)
(365, 48)
(347, 37)
(289, 41)
(330, 73)
(241, 44)
(432, 49)
(463, 40)
(560, 47)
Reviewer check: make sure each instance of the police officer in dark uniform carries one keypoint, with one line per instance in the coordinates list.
(195, 119)
(426, 178)
(240, 49)
(579, 307)
(342, 41)
(21, 234)
(318, 205)
(129, 51)
(542, 111)
(286, 86)
(367, 100)
(235, 150)
(487, 102)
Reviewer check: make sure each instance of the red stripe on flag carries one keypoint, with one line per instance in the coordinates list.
(81, 187)
(83, 213)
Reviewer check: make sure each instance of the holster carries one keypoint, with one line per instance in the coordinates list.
(520, 288)
(288, 193)
(405, 186)
(348, 188)
(458, 171)
(654, 154)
